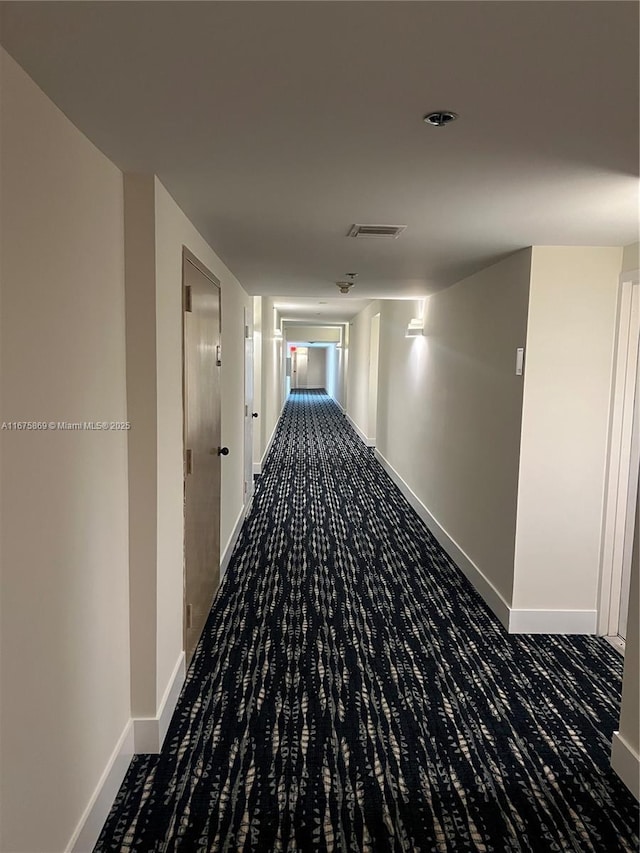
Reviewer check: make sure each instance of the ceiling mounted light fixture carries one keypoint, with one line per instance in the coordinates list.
(440, 118)
(345, 286)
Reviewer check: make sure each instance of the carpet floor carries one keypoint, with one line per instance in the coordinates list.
(352, 692)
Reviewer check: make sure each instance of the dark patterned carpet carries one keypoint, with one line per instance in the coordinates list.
(351, 692)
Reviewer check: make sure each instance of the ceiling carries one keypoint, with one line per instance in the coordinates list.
(277, 125)
(319, 311)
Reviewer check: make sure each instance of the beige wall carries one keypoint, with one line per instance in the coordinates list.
(271, 390)
(357, 384)
(631, 257)
(173, 231)
(65, 627)
(140, 288)
(449, 409)
(567, 392)
(306, 334)
(335, 374)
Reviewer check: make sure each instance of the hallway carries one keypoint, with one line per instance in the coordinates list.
(351, 691)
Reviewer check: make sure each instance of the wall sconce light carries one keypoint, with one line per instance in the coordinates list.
(415, 328)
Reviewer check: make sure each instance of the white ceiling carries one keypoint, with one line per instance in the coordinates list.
(276, 126)
(319, 311)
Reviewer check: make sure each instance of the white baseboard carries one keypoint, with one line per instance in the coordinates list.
(370, 442)
(552, 621)
(515, 620)
(625, 761)
(268, 447)
(257, 468)
(466, 565)
(150, 732)
(231, 544)
(90, 826)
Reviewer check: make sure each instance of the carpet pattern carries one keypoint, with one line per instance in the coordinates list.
(352, 692)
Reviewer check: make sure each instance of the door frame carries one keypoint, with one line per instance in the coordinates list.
(623, 456)
(249, 404)
(189, 257)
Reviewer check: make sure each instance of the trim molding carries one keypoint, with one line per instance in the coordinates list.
(515, 621)
(150, 732)
(257, 466)
(369, 442)
(90, 825)
(235, 533)
(553, 621)
(468, 568)
(625, 761)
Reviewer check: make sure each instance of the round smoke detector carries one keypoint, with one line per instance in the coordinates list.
(440, 118)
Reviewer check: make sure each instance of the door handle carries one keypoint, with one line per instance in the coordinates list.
(223, 451)
(254, 415)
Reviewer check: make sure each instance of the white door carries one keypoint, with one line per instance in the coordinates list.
(299, 359)
(631, 510)
(624, 462)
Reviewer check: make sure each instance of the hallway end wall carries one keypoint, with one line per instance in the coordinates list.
(317, 367)
(64, 689)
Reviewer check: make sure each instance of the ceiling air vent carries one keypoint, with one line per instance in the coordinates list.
(393, 231)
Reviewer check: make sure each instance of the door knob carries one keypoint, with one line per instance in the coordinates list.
(223, 451)
(254, 415)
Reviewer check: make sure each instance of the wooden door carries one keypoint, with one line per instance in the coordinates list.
(249, 414)
(202, 460)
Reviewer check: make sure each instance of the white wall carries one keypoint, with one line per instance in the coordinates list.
(357, 383)
(173, 231)
(334, 373)
(140, 313)
(311, 334)
(316, 367)
(631, 257)
(271, 391)
(567, 393)
(64, 620)
(449, 410)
